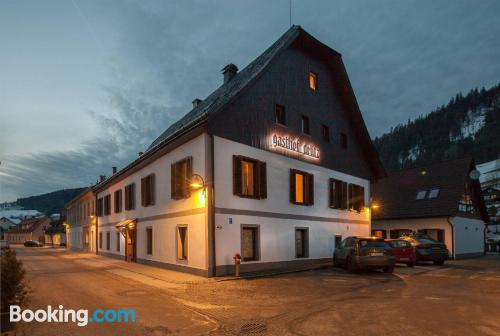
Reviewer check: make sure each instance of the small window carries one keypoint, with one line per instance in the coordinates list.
(149, 240)
(100, 203)
(100, 240)
(301, 187)
(180, 174)
(313, 81)
(343, 140)
(305, 124)
(338, 194)
(280, 114)
(182, 242)
(148, 190)
(433, 193)
(249, 177)
(325, 131)
(107, 205)
(421, 194)
(118, 201)
(250, 243)
(118, 241)
(108, 240)
(379, 233)
(301, 243)
(130, 197)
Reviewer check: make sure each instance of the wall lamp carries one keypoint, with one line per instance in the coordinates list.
(197, 182)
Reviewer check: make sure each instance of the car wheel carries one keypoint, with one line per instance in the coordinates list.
(350, 265)
(410, 264)
(438, 262)
(388, 269)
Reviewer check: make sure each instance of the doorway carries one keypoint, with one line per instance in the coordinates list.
(130, 244)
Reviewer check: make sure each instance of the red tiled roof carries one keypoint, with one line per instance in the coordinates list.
(31, 223)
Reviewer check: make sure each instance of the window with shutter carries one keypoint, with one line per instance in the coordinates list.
(130, 197)
(249, 177)
(107, 205)
(356, 197)
(118, 201)
(301, 187)
(181, 173)
(338, 194)
(148, 190)
(99, 207)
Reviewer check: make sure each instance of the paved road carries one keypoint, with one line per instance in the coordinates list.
(461, 298)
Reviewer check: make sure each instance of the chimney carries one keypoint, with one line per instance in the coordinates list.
(140, 154)
(229, 71)
(114, 170)
(102, 178)
(196, 102)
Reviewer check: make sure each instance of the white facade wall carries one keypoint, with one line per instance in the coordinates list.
(277, 235)
(166, 214)
(469, 235)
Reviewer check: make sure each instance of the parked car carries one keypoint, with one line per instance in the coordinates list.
(403, 251)
(364, 252)
(4, 244)
(32, 243)
(427, 249)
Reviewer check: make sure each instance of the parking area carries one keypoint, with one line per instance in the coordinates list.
(461, 297)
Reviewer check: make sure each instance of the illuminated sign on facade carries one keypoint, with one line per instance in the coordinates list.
(288, 143)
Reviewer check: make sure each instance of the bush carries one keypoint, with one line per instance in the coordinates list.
(14, 290)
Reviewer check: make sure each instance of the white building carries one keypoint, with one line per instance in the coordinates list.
(275, 165)
(443, 200)
(80, 222)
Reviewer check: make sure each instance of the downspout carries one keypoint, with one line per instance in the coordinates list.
(96, 227)
(452, 236)
(211, 211)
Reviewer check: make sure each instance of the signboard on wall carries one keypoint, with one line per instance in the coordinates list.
(294, 145)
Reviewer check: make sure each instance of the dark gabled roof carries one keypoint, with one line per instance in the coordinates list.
(77, 197)
(230, 90)
(396, 194)
(32, 223)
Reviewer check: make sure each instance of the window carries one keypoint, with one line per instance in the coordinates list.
(250, 242)
(118, 201)
(100, 240)
(180, 178)
(379, 233)
(343, 140)
(99, 207)
(108, 238)
(301, 187)
(249, 177)
(421, 194)
(280, 114)
(338, 194)
(325, 131)
(148, 190)
(305, 124)
(313, 81)
(433, 193)
(107, 205)
(118, 241)
(182, 242)
(301, 243)
(465, 204)
(356, 197)
(130, 197)
(149, 240)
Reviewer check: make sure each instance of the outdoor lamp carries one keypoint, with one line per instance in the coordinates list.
(197, 182)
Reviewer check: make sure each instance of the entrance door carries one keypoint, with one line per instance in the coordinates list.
(130, 246)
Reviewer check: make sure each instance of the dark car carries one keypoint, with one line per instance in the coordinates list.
(32, 243)
(403, 251)
(364, 252)
(427, 249)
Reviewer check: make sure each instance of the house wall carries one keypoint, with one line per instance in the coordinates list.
(276, 216)
(17, 238)
(165, 215)
(469, 236)
(440, 223)
(80, 216)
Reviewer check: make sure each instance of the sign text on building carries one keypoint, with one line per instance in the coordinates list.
(295, 145)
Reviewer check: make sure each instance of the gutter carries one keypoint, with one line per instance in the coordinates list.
(452, 236)
(96, 227)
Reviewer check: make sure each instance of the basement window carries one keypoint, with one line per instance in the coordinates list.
(182, 242)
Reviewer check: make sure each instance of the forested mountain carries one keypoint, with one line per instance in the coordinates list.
(49, 203)
(467, 126)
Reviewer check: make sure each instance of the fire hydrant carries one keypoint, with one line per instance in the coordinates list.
(237, 262)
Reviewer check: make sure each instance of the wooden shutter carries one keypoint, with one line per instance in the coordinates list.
(127, 197)
(292, 185)
(143, 191)
(152, 191)
(132, 196)
(261, 183)
(236, 175)
(189, 175)
(310, 189)
(361, 192)
(173, 180)
(344, 196)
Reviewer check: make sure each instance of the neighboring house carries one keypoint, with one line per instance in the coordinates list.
(80, 221)
(55, 235)
(490, 183)
(274, 165)
(6, 223)
(28, 229)
(441, 200)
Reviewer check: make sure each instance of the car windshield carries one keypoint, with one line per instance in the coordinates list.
(399, 243)
(372, 243)
(427, 241)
